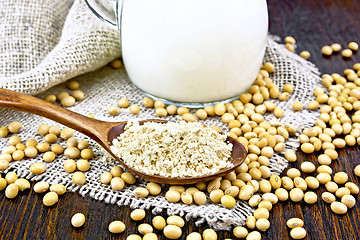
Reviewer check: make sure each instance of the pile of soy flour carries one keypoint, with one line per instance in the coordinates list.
(46, 43)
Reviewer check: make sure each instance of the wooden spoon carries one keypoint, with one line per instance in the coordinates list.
(104, 132)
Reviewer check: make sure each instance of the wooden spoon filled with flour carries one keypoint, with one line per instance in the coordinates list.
(157, 150)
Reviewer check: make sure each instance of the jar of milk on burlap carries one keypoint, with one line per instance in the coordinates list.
(191, 52)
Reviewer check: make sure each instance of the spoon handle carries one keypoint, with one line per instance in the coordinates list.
(93, 128)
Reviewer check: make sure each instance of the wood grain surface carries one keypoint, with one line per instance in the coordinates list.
(313, 24)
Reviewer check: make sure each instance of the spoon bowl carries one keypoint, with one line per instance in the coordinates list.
(105, 132)
(237, 157)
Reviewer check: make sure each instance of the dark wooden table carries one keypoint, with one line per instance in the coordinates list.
(313, 23)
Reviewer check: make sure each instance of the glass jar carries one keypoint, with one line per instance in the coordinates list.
(190, 51)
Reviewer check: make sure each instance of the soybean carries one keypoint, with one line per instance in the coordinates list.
(22, 184)
(66, 133)
(141, 192)
(59, 189)
(342, 192)
(161, 112)
(323, 178)
(357, 170)
(171, 109)
(106, 177)
(175, 220)
(50, 138)
(346, 53)
(265, 204)
(159, 222)
(182, 110)
(116, 171)
(261, 213)
(72, 152)
(192, 190)
(172, 232)
(79, 178)
(328, 197)
(290, 156)
(228, 201)
(13, 140)
(117, 183)
(324, 169)
(4, 131)
(312, 182)
(299, 182)
(37, 168)
(11, 177)
(209, 234)
(340, 177)
(49, 156)
(199, 198)
(57, 149)
(216, 195)
(11, 190)
(87, 153)
(298, 233)
(331, 187)
(310, 197)
(78, 95)
(148, 102)
(137, 214)
(83, 165)
(246, 192)
(307, 148)
(254, 200)
(41, 187)
(14, 127)
(20, 146)
(186, 198)
(133, 237)
(305, 54)
(42, 147)
(78, 220)
(70, 165)
(134, 109)
(17, 155)
(254, 235)
(354, 189)
(275, 181)
(71, 142)
(294, 222)
(240, 232)
(194, 236)
(307, 167)
(338, 207)
(282, 194)
(296, 194)
(83, 144)
(145, 228)
(128, 178)
(153, 188)
(50, 199)
(150, 236)
(3, 183)
(159, 104)
(116, 227)
(348, 200)
(293, 172)
(262, 224)
(287, 183)
(189, 117)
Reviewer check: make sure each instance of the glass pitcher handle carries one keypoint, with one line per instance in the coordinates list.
(107, 10)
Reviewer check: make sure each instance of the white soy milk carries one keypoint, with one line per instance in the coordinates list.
(193, 50)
